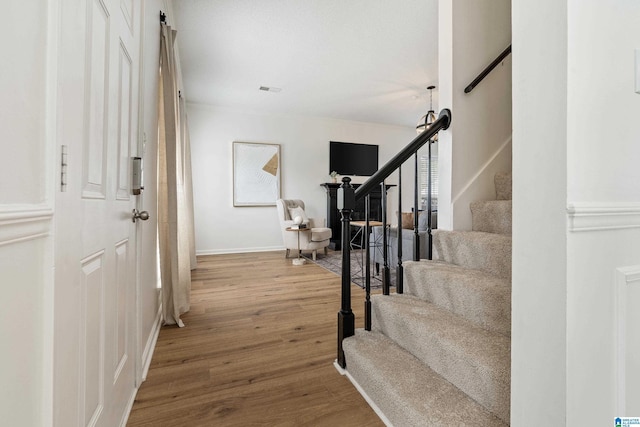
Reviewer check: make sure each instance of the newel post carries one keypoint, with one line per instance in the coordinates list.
(346, 319)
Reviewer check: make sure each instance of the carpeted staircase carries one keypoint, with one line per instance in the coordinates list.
(439, 354)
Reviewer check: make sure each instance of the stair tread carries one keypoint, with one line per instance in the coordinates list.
(476, 295)
(481, 235)
(493, 202)
(472, 358)
(408, 392)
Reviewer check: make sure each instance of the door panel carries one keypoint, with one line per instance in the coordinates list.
(127, 8)
(96, 286)
(124, 122)
(123, 321)
(96, 101)
(92, 327)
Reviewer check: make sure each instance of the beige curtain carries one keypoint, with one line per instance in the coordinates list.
(175, 198)
(188, 184)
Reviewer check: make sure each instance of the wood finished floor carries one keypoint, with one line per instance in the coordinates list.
(257, 350)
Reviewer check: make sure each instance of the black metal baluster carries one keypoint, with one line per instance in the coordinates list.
(416, 211)
(346, 318)
(367, 275)
(386, 274)
(429, 208)
(399, 268)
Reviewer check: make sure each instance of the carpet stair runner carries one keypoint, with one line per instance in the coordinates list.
(439, 354)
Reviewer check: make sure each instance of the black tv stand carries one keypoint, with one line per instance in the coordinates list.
(334, 219)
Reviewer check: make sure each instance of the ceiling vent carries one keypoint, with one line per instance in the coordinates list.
(270, 89)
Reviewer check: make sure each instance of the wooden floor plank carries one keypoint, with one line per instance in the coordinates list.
(257, 350)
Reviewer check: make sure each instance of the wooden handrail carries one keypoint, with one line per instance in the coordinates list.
(442, 123)
(487, 70)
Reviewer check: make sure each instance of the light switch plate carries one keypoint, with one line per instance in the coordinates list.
(637, 51)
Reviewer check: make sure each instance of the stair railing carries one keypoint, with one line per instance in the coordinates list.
(346, 201)
(488, 69)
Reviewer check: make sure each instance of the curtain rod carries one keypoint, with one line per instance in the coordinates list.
(163, 17)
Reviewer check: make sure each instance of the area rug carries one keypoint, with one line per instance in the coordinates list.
(333, 262)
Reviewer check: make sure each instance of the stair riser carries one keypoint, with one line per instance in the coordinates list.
(374, 381)
(492, 216)
(484, 301)
(488, 385)
(503, 183)
(482, 251)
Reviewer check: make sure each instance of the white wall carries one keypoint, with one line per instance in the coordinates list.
(603, 177)
(576, 250)
(23, 86)
(304, 145)
(478, 143)
(602, 123)
(27, 85)
(538, 339)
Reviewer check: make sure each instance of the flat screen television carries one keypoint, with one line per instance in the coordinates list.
(347, 158)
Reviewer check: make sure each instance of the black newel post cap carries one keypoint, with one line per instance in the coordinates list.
(346, 195)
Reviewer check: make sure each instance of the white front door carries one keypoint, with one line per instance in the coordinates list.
(95, 307)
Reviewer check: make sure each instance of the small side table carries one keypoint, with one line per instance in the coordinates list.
(360, 235)
(299, 260)
(360, 232)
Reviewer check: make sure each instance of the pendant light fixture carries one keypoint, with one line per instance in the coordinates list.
(427, 120)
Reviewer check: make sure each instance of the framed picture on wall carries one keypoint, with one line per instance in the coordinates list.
(256, 174)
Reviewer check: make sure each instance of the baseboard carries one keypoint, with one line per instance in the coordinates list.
(149, 348)
(364, 394)
(485, 167)
(481, 186)
(127, 411)
(238, 250)
(147, 355)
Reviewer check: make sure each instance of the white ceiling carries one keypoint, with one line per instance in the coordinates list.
(364, 60)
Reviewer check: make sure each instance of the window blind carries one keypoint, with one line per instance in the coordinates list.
(423, 170)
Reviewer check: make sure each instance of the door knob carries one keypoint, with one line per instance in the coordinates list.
(143, 215)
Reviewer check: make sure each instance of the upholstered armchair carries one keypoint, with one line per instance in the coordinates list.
(317, 236)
